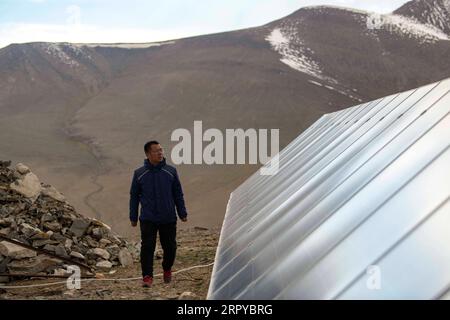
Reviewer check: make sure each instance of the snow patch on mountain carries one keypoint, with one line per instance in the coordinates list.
(344, 92)
(299, 57)
(56, 51)
(125, 45)
(315, 83)
(321, 8)
(65, 53)
(79, 52)
(294, 54)
(403, 25)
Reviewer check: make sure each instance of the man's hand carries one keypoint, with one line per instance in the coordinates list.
(133, 223)
(184, 219)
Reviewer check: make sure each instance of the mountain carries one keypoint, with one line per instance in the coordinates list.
(82, 122)
(431, 12)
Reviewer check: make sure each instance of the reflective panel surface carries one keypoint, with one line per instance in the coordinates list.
(359, 209)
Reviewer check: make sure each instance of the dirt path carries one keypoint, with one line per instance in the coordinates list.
(86, 198)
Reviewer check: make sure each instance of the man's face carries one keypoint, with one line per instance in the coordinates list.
(156, 153)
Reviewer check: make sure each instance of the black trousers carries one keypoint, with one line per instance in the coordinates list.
(167, 238)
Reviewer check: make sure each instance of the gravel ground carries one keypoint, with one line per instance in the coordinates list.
(196, 246)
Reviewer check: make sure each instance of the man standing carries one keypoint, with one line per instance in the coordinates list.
(156, 186)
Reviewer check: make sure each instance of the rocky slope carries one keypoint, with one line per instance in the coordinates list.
(431, 12)
(37, 215)
(196, 247)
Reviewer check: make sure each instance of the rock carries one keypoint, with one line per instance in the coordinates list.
(125, 258)
(187, 295)
(60, 272)
(5, 231)
(28, 186)
(6, 210)
(28, 230)
(53, 226)
(91, 242)
(5, 164)
(14, 226)
(50, 248)
(99, 233)
(80, 248)
(51, 192)
(41, 243)
(102, 253)
(47, 217)
(3, 210)
(116, 240)
(77, 255)
(58, 237)
(135, 250)
(172, 296)
(98, 223)
(47, 221)
(34, 265)
(60, 250)
(113, 250)
(22, 169)
(4, 263)
(79, 227)
(41, 236)
(17, 175)
(5, 222)
(68, 244)
(11, 250)
(104, 265)
(104, 242)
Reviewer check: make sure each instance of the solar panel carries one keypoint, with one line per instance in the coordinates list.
(359, 209)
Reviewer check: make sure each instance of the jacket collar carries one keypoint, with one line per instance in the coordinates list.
(150, 166)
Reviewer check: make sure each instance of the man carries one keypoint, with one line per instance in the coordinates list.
(156, 186)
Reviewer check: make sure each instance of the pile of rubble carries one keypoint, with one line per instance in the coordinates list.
(38, 216)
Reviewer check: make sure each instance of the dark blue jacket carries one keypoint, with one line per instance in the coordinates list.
(159, 191)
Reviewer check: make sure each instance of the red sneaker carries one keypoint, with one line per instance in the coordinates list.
(167, 276)
(147, 281)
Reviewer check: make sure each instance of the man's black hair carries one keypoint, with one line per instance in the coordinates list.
(148, 145)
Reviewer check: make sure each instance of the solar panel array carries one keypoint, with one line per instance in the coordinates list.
(359, 209)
